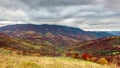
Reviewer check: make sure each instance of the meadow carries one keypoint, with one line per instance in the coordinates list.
(9, 59)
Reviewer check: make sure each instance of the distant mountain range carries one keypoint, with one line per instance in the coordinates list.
(55, 29)
(51, 34)
(100, 34)
(103, 33)
(114, 32)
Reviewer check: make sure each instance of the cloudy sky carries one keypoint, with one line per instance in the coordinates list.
(90, 15)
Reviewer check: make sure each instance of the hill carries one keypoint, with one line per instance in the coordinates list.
(26, 47)
(108, 47)
(102, 46)
(10, 60)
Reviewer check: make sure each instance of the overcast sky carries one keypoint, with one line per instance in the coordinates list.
(86, 14)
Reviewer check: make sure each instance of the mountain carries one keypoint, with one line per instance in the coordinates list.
(55, 29)
(100, 34)
(45, 28)
(51, 34)
(103, 46)
(114, 32)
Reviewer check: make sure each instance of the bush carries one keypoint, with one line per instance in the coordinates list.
(86, 56)
(75, 55)
(102, 61)
(72, 55)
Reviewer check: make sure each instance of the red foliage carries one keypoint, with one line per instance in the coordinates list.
(86, 56)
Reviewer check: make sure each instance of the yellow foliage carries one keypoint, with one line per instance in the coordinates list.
(102, 61)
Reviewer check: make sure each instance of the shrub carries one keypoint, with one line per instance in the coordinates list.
(75, 55)
(72, 55)
(67, 54)
(102, 61)
(86, 56)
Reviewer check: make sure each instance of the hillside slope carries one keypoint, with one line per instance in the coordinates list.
(10, 60)
(104, 46)
(26, 47)
(51, 34)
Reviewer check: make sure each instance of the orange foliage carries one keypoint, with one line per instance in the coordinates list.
(102, 61)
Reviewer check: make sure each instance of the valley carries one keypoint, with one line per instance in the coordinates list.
(58, 43)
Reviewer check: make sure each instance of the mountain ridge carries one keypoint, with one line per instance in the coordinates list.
(55, 29)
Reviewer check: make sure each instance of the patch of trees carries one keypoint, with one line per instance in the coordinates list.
(87, 57)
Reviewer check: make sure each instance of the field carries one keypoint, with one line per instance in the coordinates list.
(9, 59)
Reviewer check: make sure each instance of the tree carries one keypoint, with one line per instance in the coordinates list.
(86, 56)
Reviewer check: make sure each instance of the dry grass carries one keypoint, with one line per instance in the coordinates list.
(15, 61)
(45, 62)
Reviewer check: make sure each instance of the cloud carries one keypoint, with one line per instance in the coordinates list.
(54, 3)
(10, 16)
(112, 4)
(85, 14)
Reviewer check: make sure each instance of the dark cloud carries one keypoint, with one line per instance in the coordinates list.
(13, 4)
(112, 4)
(78, 13)
(54, 3)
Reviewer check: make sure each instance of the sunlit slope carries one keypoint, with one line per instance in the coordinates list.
(11, 60)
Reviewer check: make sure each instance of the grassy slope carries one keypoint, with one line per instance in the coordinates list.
(11, 60)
